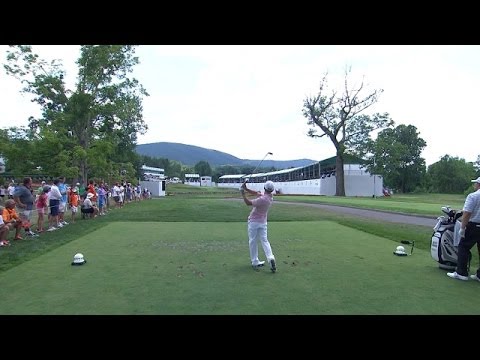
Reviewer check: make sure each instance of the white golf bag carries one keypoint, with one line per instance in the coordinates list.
(445, 239)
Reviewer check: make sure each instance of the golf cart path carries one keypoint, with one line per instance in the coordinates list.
(372, 214)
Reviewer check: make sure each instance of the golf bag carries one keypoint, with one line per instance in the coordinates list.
(445, 239)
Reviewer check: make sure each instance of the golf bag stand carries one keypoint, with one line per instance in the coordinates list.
(445, 239)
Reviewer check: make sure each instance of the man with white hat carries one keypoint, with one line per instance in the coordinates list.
(88, 208)
(469, 234)
(257, 224)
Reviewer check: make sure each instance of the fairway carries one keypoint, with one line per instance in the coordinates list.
(203, 268)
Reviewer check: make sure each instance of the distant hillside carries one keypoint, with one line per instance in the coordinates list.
(190, 155)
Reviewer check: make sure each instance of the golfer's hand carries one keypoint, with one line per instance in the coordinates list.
(461, 233)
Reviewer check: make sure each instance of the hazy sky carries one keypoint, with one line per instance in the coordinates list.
(248, 100)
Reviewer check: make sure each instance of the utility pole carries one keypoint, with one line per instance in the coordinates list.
(374, 196)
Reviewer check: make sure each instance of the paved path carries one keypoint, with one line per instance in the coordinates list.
(373, 214)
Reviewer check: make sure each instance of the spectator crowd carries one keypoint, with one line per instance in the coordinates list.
(48, 206)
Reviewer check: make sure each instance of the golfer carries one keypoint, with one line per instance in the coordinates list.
(257, 223)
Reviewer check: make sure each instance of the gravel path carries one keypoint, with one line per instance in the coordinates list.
(373, 214)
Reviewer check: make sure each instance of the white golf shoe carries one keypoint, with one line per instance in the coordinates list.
(454, 275)
(258, 265)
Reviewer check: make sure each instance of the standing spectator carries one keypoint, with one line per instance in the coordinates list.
(42, 208)
(11, 190)
(91, 190)
(102, 196)
(138, 192)
(82, 191)
(40, 188)
(107, 198)
(63, 201)
(116, 195)
(3, 192)
(11, 218)
(54, 198)
(122, 195)
(469, 234)
(24, 199)
(129, 192)
(257, 224)
(73, 202)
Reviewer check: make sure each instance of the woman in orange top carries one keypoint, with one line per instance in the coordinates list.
(11, 218)
(73, 202)
(91, 189)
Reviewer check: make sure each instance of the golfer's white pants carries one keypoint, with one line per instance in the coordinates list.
(258, 231)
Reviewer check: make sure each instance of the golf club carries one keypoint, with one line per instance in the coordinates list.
(249, 176)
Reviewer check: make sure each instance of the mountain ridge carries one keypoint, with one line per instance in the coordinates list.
(191, 154)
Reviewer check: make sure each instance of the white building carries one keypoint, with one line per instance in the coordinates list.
(206, 181)
(153, 179)
(192, 179)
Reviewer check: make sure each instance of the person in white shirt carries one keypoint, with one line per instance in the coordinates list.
(469, 234)
(88, 207)
(10, 190)
(54, 198)
(116, 191)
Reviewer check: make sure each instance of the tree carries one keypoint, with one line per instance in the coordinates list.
(476, 165)
(203, 168)
(451, 175)
(17, 151)
(98, 121)
(339, 118)
(395, 154)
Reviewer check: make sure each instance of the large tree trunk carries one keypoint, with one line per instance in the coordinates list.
(84, 143)
(340, 178)
(83, 172)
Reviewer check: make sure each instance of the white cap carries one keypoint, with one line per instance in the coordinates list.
(400, 251)
(269, 186)
(43, 182)
(78, 259)
(89, 195)
(477, 180)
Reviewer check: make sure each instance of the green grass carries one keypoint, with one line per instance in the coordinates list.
(425, 204)
(188, 268)
(188, 254)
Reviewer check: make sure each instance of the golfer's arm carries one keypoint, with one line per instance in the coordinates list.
(466, 218)
(245, 199)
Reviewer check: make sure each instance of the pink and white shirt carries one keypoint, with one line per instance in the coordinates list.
(260, 208)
